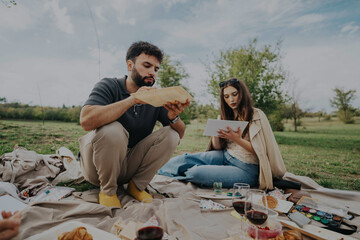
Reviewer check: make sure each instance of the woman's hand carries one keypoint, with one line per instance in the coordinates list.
(230, 134)
(236, 138)
(9, 225)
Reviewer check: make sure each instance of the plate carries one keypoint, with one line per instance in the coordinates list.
(54, 232)
(214, 196)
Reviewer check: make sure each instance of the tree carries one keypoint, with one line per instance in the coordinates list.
(294, 98)
(259, 68)
(342, 102)
(3, 99)
(320, 114)
(171, 73)
(9, 3)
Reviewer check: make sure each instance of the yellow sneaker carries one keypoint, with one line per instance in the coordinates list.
(136, 193)
(109, 201)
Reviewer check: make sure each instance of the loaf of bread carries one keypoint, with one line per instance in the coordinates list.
(79, 233)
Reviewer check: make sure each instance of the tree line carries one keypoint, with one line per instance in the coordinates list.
(16, 110)
(259, 67)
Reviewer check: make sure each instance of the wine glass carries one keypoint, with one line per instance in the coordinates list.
(150, 220)
(238, 200)
(256, 210)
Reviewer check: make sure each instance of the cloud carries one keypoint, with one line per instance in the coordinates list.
(62, 20)
(99, 13)
(308, 20)
(112, 61)
(122, 9)
(16, 18)
(170, 3)
(130, 21)
(320, 69)
(62, 81)
(350, 28)
(270, 6)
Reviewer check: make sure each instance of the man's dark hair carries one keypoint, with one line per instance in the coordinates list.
(140, 47)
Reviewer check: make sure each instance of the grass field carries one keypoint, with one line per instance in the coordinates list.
(327, 151)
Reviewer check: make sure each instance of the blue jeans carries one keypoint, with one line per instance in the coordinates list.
(205, 168)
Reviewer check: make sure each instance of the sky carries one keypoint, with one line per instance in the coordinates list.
(52, 52)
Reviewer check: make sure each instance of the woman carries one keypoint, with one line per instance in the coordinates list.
(249, 155)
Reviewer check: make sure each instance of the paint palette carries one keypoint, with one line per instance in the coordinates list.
(321, 212)
(325, 218)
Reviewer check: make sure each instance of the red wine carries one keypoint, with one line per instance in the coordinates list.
(239, 206)
(256, 217)
(150, 233)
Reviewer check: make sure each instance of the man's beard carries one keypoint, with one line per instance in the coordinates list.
(139, 80)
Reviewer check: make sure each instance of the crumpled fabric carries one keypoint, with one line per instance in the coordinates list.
(10, 189)
(73, 170)
(30, 172)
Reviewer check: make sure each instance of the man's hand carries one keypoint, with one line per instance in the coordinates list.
(176, 108)
(9, 225)
(142, 89)
(230, 134)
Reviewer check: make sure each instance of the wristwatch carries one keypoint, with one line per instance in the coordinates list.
(174, 120)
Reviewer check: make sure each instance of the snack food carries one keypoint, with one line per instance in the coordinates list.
(79, 233)
(292, 235)
(271, 201)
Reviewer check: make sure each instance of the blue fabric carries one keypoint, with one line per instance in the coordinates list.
(205, 168)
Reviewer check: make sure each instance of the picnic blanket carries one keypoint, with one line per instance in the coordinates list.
(184, 218)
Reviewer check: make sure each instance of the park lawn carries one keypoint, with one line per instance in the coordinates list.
(327, 151)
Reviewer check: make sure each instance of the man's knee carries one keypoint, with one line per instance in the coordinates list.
(170, 137)
(112, 133)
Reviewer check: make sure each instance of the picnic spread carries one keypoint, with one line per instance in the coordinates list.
(187, 211)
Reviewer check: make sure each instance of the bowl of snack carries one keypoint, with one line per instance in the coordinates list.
(270, 229)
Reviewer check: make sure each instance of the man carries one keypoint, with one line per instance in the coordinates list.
(122, 148)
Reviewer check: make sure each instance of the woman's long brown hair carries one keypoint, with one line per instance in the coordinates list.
(245, 108)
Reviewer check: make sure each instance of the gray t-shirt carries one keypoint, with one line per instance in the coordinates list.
(138, 120)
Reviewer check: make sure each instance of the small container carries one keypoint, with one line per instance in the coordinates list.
(312, 211)
(270, 229)
(217, 188)
(320, 213)
(334, 224)
(305, 209)
(299, 208)
(325, 221)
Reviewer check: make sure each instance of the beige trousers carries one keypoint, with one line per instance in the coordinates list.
(107, 162)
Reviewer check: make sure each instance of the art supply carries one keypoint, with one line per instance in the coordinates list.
(213, 126)
(299, 218)
(326, 218)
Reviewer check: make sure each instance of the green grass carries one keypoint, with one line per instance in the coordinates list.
(326, 151)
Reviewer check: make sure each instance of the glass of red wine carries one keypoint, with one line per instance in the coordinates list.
(150, 220)
(256, 210)
(238, 201)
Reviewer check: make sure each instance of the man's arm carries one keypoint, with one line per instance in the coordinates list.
(94, 116)
(179, 126)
